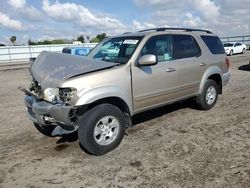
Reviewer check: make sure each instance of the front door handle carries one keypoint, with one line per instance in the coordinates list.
(170, 70)
(203, 64)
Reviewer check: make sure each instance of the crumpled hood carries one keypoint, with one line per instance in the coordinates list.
(51, 69)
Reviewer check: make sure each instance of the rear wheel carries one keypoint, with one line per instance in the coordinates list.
(101, 129)
(207, 99)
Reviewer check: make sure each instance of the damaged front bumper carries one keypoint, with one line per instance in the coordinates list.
(45, 113)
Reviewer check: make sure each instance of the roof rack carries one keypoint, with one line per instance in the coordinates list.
(174, 28)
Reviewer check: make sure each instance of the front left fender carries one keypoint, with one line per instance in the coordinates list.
(96, 94)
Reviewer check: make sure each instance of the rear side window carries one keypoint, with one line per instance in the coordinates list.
(185, 46)
(238, 44)
(214, 44)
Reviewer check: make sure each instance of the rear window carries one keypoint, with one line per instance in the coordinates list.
(214, 44)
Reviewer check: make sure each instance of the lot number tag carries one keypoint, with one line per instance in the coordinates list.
(130, 41)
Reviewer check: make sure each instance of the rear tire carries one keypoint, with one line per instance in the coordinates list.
(101, 129)
(207, 99)
(45, 130)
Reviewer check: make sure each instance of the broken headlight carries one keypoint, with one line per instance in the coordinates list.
(51, 94)
(59, 95)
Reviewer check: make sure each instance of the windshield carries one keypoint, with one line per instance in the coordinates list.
(117, 50)
(228, 44)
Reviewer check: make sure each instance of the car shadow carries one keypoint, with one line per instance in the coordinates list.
(72, 137)
(245, 67)
(137, 119)
(158, 112)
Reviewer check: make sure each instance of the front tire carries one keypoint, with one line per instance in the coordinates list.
(207, 99)
(101, 129)
(231, 53)
(243, 50)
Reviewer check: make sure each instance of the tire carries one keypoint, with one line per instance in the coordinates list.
(231, 53)
(243, 50)
(209, 95)
(45, 130)
(101, 129)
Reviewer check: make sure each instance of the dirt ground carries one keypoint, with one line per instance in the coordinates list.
(174, 146)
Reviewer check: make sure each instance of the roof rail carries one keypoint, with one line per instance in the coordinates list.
(174, 28)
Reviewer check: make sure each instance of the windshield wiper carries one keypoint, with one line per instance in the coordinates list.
(107, 60)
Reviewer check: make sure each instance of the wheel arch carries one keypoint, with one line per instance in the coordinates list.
(217, 78)
(213, 73)
(116, 101)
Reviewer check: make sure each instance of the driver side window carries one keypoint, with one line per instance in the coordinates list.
(160, 46)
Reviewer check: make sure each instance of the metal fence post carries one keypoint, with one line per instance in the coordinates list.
(30, 51)
(9, 53)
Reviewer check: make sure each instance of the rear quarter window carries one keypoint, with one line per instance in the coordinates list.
(214, 44)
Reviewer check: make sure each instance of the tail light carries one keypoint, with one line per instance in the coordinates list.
(227, 62)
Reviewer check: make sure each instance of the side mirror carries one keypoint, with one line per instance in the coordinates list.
(148, 60)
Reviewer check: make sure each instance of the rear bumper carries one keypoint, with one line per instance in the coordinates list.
(46, 113)
(226, 78)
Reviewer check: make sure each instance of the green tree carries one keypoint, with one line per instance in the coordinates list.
(46, 42)
(98, 38)
(95, 40)
(13, 39)
(30, 42)
(101, 36)
(88, 38)
(58, 41)
(80, 38)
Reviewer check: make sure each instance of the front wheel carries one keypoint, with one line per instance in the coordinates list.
(243, 50)
(207, 99)
(101, 129)
(231, 52)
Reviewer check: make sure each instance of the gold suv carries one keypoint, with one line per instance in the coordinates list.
(96, 96)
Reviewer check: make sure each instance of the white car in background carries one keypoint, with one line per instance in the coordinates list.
(234, 48)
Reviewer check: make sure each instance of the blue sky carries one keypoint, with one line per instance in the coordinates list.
(51, 19)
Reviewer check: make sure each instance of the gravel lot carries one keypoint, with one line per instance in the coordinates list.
(174, 146)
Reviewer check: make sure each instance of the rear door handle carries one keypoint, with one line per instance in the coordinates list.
(203, 64)
(170, 70)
